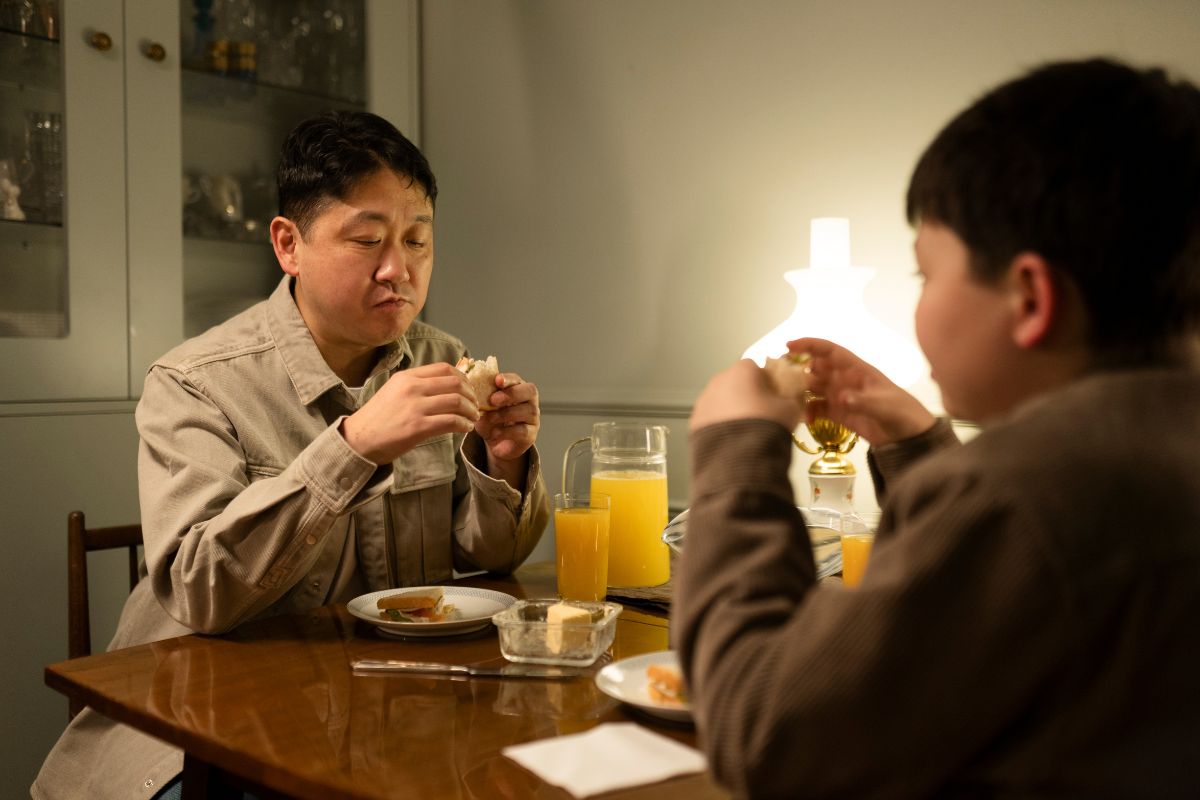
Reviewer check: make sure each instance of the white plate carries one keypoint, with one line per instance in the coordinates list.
(475, 608)
(625, 680)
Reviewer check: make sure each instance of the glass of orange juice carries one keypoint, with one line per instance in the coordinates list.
(857, 540)
(581, 525)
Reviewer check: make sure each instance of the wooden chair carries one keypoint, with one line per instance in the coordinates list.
(82, 540)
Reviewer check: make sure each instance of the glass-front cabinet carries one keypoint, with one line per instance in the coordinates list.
(138, 142)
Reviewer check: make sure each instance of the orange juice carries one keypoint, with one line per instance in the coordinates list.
(856, 549)
(637, 555)
(581, 539)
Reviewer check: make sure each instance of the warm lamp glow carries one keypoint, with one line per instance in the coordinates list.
(830, 305)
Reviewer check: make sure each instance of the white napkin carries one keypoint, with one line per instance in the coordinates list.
(582, 763)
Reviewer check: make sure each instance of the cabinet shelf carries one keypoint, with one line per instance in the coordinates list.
(30, 63)
(208, 94)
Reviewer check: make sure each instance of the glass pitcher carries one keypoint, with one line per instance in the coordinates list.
(629, 463)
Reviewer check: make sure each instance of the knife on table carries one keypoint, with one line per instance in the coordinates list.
(369, 665)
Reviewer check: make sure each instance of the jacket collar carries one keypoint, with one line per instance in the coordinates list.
(310, 375)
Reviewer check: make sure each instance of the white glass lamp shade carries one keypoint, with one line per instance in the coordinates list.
(830, 305)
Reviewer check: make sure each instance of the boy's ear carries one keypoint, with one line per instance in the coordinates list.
(1036, 300)
(285, 237)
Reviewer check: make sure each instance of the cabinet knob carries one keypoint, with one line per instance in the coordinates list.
(154, 51)
(101, 41)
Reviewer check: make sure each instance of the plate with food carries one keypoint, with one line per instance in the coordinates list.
(429, 610)
(651, 682)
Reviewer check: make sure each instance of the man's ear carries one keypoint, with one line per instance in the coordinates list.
(285, 237)
(1036, 300)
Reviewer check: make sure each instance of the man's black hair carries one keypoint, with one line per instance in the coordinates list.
(326, 156)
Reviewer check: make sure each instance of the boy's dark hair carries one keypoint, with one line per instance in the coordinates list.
(326, 156)
(1095, 166)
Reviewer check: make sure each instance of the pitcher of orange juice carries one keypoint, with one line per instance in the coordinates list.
(629, 464)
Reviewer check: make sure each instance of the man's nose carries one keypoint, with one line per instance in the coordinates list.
(393, 268)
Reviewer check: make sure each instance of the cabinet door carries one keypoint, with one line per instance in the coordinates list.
(63, 307)
(252, 70)
(152, 129)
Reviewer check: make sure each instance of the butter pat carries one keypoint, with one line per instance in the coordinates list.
(561, 614)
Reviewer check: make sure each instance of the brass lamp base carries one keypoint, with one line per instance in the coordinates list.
(831, 476)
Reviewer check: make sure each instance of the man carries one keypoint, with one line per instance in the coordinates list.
(319, 445)
(1027, 623)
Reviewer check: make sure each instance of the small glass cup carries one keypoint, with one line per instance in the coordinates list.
(581, 525)
(857, 539)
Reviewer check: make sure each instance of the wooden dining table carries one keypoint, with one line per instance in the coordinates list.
(275, 707)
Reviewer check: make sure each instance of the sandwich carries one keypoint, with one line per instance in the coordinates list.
(481, 374)
(789, 374)
(664, 684)
(426, 605)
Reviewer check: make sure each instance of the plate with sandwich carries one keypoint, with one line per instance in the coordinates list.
(429, 610)
(652, 683)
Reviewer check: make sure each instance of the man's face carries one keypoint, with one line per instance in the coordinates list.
(362, 269)
(962, 327)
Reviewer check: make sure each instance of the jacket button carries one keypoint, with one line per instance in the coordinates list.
(346, 482)
(310, 539)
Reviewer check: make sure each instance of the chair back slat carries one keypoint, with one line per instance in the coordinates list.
(80, 541)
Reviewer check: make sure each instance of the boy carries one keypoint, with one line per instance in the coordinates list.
(1026, 625)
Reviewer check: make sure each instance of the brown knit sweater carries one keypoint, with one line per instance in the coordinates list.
(1027, 626)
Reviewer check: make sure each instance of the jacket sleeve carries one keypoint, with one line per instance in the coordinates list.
(880, 691)
(495, 526)
(220, 547)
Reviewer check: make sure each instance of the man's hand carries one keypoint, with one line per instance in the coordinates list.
(414, 405)
(859, 396)
(743, 391)
(511, 429)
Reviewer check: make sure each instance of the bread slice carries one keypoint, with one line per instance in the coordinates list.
(789, 374)
(481, 375)
(664, 684)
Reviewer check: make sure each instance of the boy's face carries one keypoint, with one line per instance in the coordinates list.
(963, 328)
(363, 268)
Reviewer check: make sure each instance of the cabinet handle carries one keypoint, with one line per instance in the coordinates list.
(101, 41)
(154, 51)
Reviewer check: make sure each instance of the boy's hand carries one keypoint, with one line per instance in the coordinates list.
(743, 391)
(859, 396)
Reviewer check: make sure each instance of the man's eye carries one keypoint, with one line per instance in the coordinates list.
(416, 243)
(367, 242)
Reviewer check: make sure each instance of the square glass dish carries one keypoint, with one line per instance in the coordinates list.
(528, 637)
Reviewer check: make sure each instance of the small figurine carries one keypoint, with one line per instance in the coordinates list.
(10, 190)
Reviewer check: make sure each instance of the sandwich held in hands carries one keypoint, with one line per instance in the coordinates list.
(789, 374)
(481, 375)
(427, 605)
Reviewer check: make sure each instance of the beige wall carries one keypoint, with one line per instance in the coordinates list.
(623, 183)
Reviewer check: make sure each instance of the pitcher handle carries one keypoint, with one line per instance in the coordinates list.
(569, 462)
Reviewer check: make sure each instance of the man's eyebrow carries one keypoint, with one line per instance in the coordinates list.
(367, 216)
(426, 218)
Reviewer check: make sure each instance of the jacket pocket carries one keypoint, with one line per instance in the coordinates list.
(430, 463)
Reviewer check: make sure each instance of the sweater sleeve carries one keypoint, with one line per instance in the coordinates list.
(889, 462)
(880, 691)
